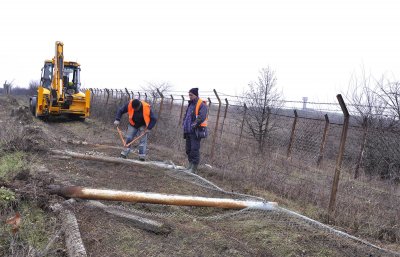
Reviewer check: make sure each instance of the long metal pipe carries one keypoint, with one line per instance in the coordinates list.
(156, 198)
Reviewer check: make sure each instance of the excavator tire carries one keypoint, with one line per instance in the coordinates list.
(32, 105)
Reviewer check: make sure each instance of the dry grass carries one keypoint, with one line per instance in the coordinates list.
(366, 207)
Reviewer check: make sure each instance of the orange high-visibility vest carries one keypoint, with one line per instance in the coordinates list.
(204, 123)
(146, 113)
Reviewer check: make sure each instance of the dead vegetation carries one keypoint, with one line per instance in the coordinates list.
(194, 231)
(366, 206)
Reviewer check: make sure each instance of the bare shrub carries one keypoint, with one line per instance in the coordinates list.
(262, 99)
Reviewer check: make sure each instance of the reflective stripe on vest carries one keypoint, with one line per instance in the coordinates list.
(204, 123)
(146, 113)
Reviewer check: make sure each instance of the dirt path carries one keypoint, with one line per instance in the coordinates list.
(194, 231)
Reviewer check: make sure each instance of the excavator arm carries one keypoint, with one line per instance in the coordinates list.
(57, 83)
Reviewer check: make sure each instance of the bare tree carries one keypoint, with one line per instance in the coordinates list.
(262, 98)
(376, 107)
(33, 86)
(152, 87)
(365, 103)
(366, 106)
(7, 87)
(389, 92)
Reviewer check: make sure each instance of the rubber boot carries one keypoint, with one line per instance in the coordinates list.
(194, 168)
(142, 157)
(125, 153)
(189, 168)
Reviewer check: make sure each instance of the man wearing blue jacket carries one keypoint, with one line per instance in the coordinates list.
(194, 128)
(141, 120)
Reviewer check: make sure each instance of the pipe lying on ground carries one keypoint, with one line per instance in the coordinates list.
(113, 159)
(156, 198)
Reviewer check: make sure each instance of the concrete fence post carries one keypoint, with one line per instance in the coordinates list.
(332, 201)
(172, 102)
(180, 117)
(161, 106)
(108, 95)
(292, 135)
(362, 148)
(323, 142)
(92, 94)
(242, 126)
(223, 121)
(127, 92)
(216, 125)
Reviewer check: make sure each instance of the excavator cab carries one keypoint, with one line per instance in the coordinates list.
(71, 80)
(59, 90)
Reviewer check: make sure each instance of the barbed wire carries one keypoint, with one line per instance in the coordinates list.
(298, 170)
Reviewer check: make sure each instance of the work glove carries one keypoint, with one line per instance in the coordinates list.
(116, 123)
(194, 126)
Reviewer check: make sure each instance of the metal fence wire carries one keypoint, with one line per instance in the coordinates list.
(314, 154)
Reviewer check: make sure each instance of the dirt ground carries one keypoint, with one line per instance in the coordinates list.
(192, 231)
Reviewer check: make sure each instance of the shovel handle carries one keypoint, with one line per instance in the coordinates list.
(133, 141)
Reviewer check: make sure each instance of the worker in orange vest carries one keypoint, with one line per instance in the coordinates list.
(141, 120)
(194, 128)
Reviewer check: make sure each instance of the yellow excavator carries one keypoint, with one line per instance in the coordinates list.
(58, 92)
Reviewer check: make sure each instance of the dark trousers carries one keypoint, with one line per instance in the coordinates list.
(193, 148)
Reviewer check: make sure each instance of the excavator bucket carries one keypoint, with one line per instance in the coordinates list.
(40, 102)
(87, 105)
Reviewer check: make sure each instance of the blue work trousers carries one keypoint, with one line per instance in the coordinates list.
(131, 134)
(193, 148)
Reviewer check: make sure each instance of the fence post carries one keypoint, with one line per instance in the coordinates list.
(112, 93)
(127, 92)
(241, 127)
(161, 105)
(139, 96)
(108, 95)
(209, 106)
(154, 94)
(145, 96)
(133, 95)
(289, 150)
(226, 110)
(216, 125)
(180, 117)
(172, 102)
(339, 160)
(92, 94)
(363, 142)
(323, 142)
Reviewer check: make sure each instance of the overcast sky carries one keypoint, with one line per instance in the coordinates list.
(314, 46)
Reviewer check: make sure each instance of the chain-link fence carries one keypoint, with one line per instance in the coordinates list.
(312, 153)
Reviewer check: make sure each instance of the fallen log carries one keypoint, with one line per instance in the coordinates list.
(137, 221)
(70, 227)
